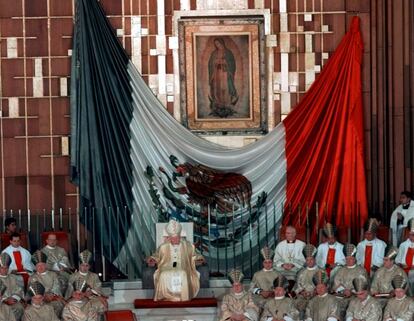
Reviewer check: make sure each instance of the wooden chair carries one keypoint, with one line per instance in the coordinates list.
(383, 233)
(404, 234)
(24, 240)
(120, 315)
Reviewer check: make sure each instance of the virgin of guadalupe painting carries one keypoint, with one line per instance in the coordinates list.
(223, 81)
(221, 72)
(221, 67)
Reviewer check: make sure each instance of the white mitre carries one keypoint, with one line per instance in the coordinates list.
(173, 228)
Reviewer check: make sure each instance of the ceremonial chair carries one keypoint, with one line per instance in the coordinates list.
(383, 233)
(24, 240)
(404, 234)
(187, 233)
(120, 315)
(63, 240)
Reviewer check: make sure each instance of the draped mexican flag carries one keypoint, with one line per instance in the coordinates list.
(136, 164)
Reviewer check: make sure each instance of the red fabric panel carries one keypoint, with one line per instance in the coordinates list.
(194, 303)
(368, 258)
(409, 259)
(325, 143)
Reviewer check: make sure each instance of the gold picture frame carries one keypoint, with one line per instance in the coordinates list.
(222, 67)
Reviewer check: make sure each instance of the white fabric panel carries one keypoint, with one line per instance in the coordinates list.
(155, 135)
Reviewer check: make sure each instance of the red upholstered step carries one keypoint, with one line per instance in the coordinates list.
(120, 315)
(194, 303)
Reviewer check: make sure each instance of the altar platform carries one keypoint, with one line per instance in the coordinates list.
(125, 293)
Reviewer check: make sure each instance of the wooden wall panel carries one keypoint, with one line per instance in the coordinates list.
(34, 173)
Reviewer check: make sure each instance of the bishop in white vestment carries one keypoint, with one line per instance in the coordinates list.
(330, 253)
(176, 277)
(288, 259)
(370, 251)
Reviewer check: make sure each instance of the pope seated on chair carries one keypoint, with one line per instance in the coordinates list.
(176, 277)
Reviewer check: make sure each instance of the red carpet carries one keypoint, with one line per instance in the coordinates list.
(120, 315)
(195, 303)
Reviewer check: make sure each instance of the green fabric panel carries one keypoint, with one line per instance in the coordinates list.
(101, 111)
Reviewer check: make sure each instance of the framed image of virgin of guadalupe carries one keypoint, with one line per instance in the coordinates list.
(222, 64)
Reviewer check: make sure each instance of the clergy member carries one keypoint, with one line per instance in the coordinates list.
(288, 259)
(281, 307)
(94, 291)
(364, 307)
(6, 313)
(21, 259)
(176, 277)
(57, 260)
(370, 251)
(49, 280)
(342, 286)
(238, 305)
(13, 295)
(80, 308)
(304, 286)
(262, 282)
(330, 253)
(38, 310)
(405, 257)
(323, 306)
(381, 286)
(401, 215)
(401, 307)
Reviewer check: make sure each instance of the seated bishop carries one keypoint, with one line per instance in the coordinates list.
(304, 286)
(13, 295)
(342, 285)
(94, 291)
(262, 282)
(288, 259)
(49, 281)
(176, 277)
(401, 307)
(6, 313)
(370, 251)
(38, 309)
(238, 305)
(363, 307)
(381, 286)
(280, 308)
(330, 253)
(405, 257)
(323, 306)
(57, 260)
(80, 308)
